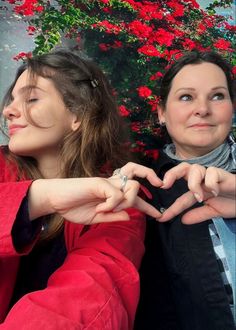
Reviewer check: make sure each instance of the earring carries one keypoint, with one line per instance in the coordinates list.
(162, 124)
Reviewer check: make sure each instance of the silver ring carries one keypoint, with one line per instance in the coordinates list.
(116, 172)
(124, 178)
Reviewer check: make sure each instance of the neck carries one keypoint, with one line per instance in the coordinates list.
(185, 154)
(221, 157)
(49, 166)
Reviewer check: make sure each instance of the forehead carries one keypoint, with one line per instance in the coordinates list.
(200, 75)
(26, 79)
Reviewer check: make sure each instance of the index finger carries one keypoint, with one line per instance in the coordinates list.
(182, 203)
(136, 170)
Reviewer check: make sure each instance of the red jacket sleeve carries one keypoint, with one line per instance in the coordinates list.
(97, 287)
(11, 196)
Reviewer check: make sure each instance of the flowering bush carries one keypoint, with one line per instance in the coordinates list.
(134, 42)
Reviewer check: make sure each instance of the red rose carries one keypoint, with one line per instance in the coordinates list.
(144, 91)
(124, 111)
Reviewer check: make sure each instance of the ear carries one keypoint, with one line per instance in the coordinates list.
(75, 123)
(161, 115)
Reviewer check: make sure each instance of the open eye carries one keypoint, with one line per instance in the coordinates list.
(185, 97)
(218, 96)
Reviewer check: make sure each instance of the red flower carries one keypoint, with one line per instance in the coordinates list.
(178, 9)
(164, 38)
(173, 54)
(222, 44)
(194, 4)
(144, 91)
(28, 8)
(107, 10)
(153, 153)
(135, 126)
(39, 9)
(140, 143)
(22, 56)
(124, 111)
(150, 11)
(110, 28)
(156, 75)
(31, 29)
(230, 27)
(154, 103)
(188, 44)
(117, 44)
(139, 29)
(104, 47)
(201, 28)
(234, 70)
(149, 50)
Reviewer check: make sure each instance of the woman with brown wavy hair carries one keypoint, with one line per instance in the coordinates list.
(65, 137)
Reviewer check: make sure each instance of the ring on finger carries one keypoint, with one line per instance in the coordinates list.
(116, 172)
(124, 178)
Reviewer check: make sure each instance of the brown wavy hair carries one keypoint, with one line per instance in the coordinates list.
(99, 144)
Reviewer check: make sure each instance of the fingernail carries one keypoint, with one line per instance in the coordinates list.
(214, 193)
(146, 191)
(163, 182)
(198, 197)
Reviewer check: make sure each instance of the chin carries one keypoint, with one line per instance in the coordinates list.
(19, 151)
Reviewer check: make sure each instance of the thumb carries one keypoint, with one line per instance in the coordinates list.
(110, 217)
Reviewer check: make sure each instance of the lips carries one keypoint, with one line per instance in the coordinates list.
(15, 128)
(201, 125)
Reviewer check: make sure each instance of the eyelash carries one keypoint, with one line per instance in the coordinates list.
(184, 96)
(219, 94)
(188, 97)
(32, 100)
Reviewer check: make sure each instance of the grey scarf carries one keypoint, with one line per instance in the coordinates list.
(223, 156)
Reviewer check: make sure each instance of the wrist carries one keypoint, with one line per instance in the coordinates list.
(38, 199)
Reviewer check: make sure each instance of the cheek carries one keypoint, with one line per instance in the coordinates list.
(176, 117)
(43, 119)
(225, 117)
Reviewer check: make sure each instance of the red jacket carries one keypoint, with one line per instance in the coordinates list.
(97, 287)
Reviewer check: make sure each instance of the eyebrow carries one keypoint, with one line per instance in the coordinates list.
(193, 89)
(24, 89)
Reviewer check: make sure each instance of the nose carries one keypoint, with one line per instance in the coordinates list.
(202, 108)
(11, 111)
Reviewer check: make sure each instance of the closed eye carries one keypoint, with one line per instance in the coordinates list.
(32, 100)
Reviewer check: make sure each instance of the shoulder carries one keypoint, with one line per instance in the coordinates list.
(3, 151)
(8, 170)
